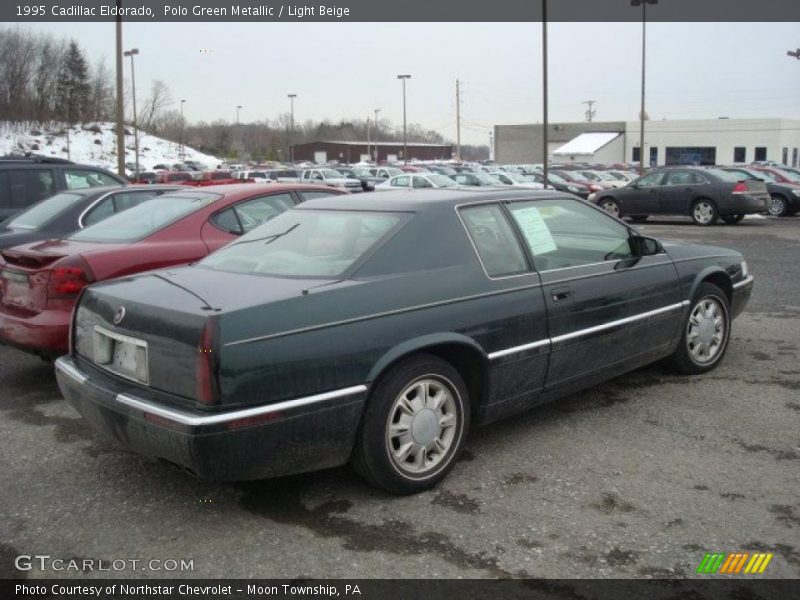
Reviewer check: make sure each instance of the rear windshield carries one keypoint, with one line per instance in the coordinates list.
(42, 212)
(146, 218)
(305, 243)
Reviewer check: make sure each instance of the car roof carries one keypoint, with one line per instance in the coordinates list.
(244, 190)
(424, 199)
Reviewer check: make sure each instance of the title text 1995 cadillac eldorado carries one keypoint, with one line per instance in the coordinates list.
(376, 330)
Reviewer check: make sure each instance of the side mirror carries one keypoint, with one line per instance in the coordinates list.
(645, 246)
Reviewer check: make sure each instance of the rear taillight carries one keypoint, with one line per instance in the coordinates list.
(740, 188)
(206, 364)
(68, 277)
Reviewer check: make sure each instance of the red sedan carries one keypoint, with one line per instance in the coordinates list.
(40, 282)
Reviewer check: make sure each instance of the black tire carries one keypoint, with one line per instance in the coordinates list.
(778, 206)
(709, 212)
(611, 206)
(374, 453)
(639, 218)
(732, 219)
(684, 360)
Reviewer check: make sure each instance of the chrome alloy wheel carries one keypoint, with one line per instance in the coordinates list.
(610, 207)
(706, 331)
(776, 206)
(423, 425)
(703, 212)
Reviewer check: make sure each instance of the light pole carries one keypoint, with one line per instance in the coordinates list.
(643, 4)
(238, 108)
(291, 126)
(405, 126)
(183, 133)
(120, 116)
(544, 92)
(133, 52)
(794, 54)
(377, 110)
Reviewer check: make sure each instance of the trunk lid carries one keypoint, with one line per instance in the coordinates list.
(167, 311)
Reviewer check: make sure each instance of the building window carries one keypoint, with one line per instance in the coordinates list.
(794, 157)
(785, 156)
(739, 154)
(635, 155)
(691, 155)
(653, 156)
(761, 153)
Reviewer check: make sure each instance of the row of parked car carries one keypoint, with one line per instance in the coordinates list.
(248, 330)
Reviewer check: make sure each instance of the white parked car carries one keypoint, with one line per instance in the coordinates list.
(327, 176)
(517, 180)
(411, 181)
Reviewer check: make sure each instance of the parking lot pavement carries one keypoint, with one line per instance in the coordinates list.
(638, 477)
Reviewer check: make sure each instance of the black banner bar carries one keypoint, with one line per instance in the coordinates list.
(32, 11)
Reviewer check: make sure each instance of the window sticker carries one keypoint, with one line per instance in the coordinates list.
(535, 230)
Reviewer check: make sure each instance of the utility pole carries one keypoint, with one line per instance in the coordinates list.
(491, 146)
(120, 103)
(377, 110)
(405, 127)
(458, 120)
(544, 90)
(642, 113)
(133, 52)
(589, 112)
(368, 143)
(291, 126)
(183, 133)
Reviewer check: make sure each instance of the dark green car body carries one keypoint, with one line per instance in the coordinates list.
(294, 359)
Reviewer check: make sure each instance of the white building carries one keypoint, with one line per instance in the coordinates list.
(685, 141)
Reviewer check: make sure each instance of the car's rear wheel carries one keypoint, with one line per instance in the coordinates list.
(705, 332)
(733, 219)
(704, 213)
(639, 218)
(778, 206)
(414, 426)
(610, 206)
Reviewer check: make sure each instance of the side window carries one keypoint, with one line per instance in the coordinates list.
(27, 186)
(421, 182)
(678, 178)
(649, 180)
(101, 211)
(227, 221)
(84, 178)
(127, 200)
(5, 196)
(569, 233)
(401, 181)
(494, 240)
(253, 213)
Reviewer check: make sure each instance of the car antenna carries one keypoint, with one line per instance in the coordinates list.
(206, 305)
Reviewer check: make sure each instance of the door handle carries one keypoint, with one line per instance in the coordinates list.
(561, 294)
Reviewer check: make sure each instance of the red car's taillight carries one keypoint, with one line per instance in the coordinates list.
(68, 277)
(740, 188)
(207, 391)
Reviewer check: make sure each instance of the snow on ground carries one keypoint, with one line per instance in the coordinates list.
(93, 144)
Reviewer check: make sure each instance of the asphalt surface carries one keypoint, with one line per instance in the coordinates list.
(638, 477)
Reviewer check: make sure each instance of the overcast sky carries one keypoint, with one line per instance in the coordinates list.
(345, 70)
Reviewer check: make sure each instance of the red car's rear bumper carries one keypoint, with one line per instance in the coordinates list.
(46, 333)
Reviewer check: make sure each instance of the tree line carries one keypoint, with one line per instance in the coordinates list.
(44, 78)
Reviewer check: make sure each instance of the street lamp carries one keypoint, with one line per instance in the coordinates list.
(238, 108)
(377, 110)
(133, 52)
(795, 54)
(405, 128)
(643, 4)
(183, 132)
(291, 126)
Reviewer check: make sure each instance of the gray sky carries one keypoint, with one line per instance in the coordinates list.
(345, 70)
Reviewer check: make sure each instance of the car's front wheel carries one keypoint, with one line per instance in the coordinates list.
(778, 206)
(705, 332)
(414, 426)
(704, 213)
(611, 206)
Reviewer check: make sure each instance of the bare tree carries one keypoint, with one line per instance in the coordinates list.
(159, 99)
(102, 94)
